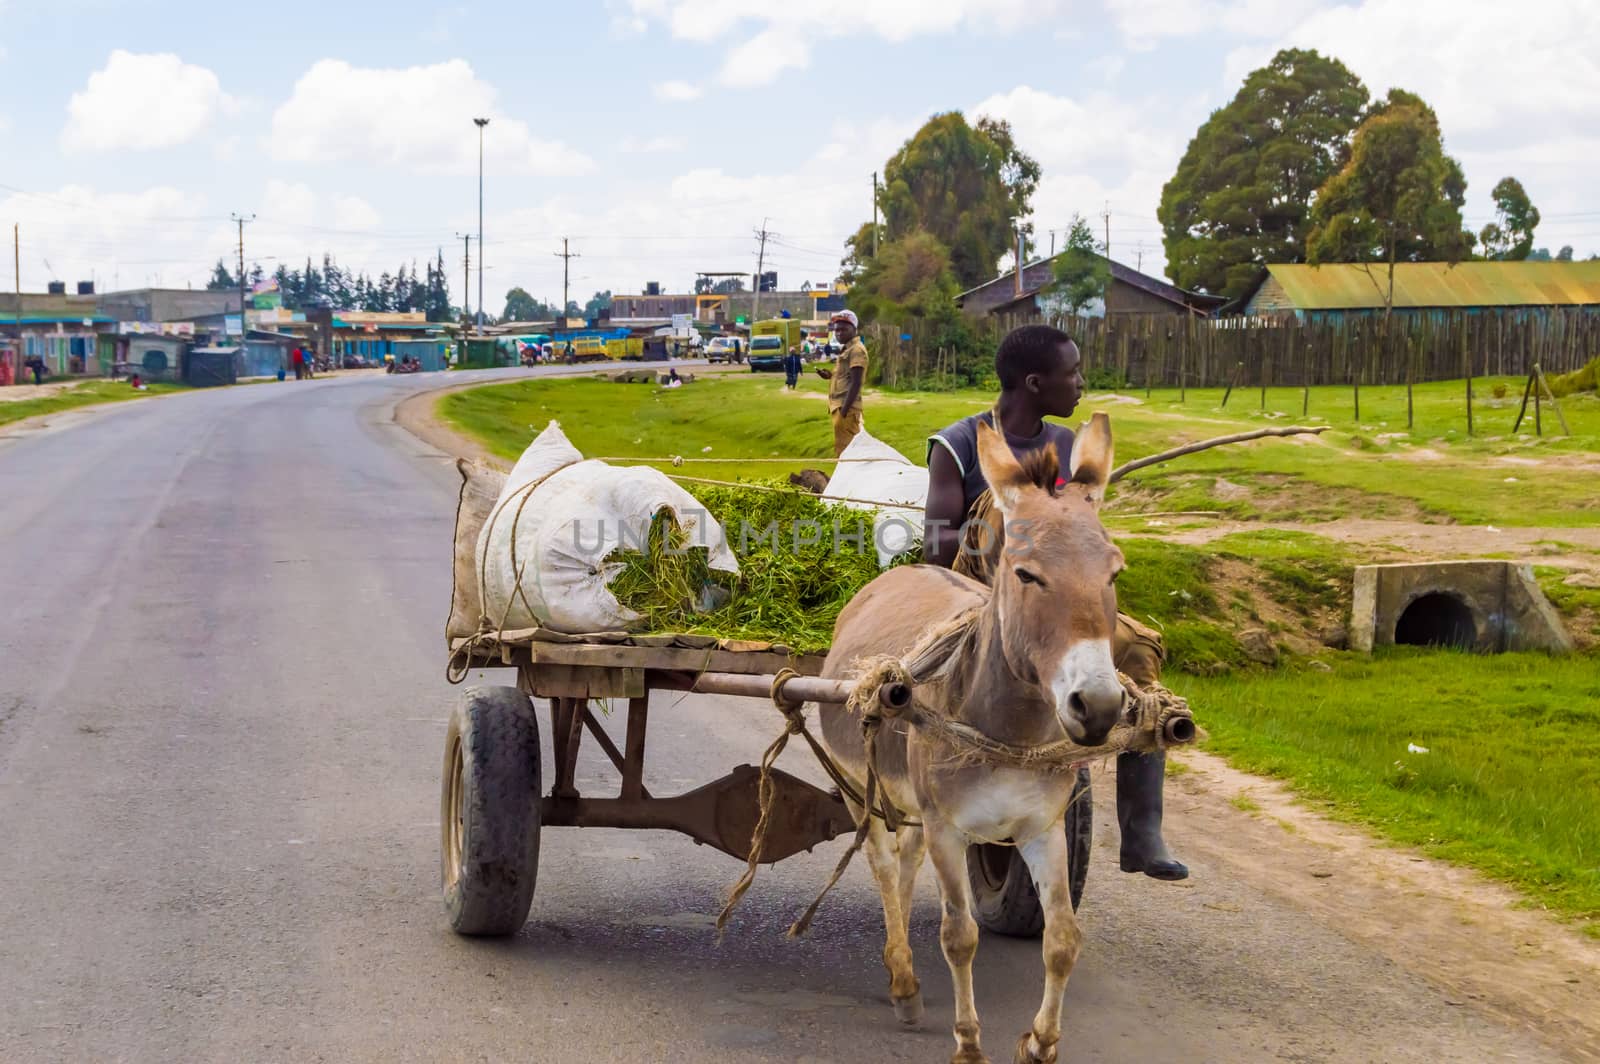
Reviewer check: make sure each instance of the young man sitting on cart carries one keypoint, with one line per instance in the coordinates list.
(1040, 371)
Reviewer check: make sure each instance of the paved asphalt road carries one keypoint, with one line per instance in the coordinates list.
(222, 701)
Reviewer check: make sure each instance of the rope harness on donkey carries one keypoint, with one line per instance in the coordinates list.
(1154, 719)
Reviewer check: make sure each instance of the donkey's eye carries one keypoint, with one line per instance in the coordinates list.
(1114, 576)
(1027, 577)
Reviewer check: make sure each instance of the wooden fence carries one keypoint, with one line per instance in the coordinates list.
(1170, 351)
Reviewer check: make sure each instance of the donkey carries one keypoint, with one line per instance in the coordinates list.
(1035, 668)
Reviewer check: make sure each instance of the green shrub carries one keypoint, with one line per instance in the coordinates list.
(1584, 379)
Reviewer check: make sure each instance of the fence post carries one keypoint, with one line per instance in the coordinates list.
(1466, 364)
(1552, 395)
(1305, 383)
(1232, 377)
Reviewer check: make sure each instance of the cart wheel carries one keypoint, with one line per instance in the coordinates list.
(1004, 899)
(489, 811)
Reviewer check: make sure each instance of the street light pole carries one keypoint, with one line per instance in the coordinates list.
(480, 122)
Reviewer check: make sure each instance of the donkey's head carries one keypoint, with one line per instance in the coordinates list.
(1054, 584)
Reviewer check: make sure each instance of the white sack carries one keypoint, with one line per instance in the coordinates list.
(575, 515)
(888, 478)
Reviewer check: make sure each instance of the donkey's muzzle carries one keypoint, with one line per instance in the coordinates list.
(1093, 711)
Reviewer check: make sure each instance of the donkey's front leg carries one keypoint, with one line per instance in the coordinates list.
(958, 931)
(887, 865)
(1047, 860)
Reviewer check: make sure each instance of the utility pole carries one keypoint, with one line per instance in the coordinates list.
(480, 123)
(466, 281)
(1138, 256)
(761, 262)
(16, 265)
(1106, 215)
(241, 219)
(874, 214)
(566, 258)
(1052, 243)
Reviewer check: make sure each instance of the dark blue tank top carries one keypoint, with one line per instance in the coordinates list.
(961, 441)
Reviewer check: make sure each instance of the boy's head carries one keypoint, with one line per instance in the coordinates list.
(1044, 363)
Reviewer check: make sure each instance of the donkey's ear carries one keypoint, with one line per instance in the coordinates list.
(1000, 468)
(1092, 457)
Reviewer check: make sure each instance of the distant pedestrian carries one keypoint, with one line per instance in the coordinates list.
(37, 365)
(845, 381)
(297, 359)
(791, 368)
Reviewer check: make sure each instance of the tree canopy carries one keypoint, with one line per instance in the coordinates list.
(1242, 193)
(407, 289)
(520, 306)
(1399, 197)
(1080, 273)
(1510, 236)
(966, 185)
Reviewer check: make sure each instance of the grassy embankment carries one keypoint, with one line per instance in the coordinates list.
(1506, 786)
(91, 393)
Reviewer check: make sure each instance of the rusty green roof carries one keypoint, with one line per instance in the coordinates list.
(1350, 286)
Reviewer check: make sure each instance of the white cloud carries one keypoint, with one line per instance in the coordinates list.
(162, 235)
(676, 91)
(652, 145)
(783, 32)
(1144, 22)
(1542, 128)
(289, 202)
(142, 102)
(354, 213)
(414, 117)
(1104, 150)
(763, 58)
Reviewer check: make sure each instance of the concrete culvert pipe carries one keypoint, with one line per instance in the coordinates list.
(1436, 619)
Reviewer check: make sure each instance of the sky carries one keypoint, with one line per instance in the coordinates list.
(657, 136)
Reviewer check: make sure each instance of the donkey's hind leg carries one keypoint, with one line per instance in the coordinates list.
(1046, 856)
(886, 864)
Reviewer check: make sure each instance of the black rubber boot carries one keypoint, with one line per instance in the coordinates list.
(1140, 778)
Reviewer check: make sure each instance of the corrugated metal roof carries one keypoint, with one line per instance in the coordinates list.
(1348, 286)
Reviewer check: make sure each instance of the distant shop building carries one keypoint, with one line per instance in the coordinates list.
(727, 308)
(68, 332)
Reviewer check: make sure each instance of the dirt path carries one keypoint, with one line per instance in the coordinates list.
(418, 416)
(18, 393)
(1472, 937)
(1547, 546)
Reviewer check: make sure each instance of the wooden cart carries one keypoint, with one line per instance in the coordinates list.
(494, 801)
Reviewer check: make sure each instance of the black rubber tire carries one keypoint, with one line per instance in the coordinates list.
(1004, 898)
(493, 737)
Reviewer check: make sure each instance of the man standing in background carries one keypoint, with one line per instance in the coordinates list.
(846, 380)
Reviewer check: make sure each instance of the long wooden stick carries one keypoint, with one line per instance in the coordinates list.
(1205, 445)
(1552, 397)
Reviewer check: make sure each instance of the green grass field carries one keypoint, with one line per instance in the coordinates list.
(1507, 785)
(1514, 740)
(1365, 467)
(91, 393)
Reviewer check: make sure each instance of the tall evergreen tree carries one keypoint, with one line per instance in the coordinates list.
(967, 185)
(1242, 194)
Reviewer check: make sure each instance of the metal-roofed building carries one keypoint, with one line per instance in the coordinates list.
(1129, 292)
(1336, 290)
